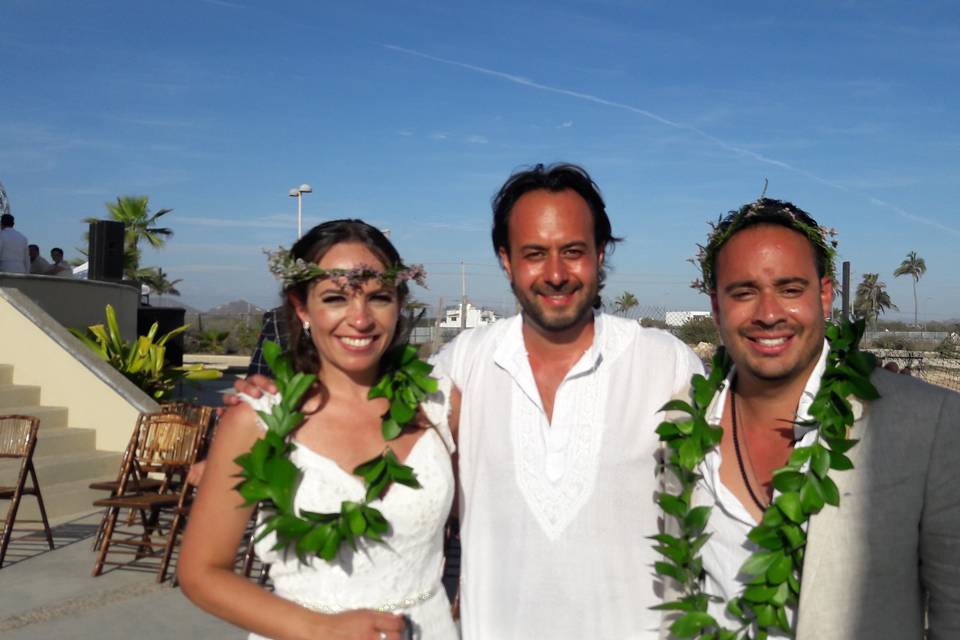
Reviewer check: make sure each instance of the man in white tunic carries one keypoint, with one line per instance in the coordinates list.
(556, 411)
(883, 564)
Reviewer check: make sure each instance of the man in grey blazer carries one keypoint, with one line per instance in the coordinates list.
(885, 563)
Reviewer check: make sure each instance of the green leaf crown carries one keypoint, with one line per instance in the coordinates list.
(763, 210)
(291, 271)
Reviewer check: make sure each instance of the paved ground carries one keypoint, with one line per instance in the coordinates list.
(48, 595)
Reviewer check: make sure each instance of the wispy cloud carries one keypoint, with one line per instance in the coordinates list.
(272, 222)
(212, 268)
(475, 140)
(682, 126)
(438, 135)
(454, 226)
(225, 3)
(565, 125)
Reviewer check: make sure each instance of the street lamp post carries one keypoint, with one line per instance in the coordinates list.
(297, 192)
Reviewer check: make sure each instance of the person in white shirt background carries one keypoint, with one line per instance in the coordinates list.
(38, 266)
(556, 410)
(59, 267)
(14, 256)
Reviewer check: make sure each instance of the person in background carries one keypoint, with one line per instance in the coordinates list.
(14, 257)
(60, 268)
(38, 266)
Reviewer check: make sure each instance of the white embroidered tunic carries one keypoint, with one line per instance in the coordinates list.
(730, 522)
(554, 517)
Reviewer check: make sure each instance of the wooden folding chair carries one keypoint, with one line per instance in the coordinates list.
(169, 444)
(138, 482)
(18, 439)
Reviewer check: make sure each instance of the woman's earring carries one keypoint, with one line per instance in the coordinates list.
(306, 328)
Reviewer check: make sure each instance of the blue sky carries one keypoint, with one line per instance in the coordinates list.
(411, 114)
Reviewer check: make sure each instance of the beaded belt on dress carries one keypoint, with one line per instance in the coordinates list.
(394, 605)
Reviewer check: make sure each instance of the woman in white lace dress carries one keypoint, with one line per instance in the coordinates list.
(340, 333)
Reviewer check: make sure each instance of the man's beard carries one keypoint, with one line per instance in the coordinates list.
(557, 323)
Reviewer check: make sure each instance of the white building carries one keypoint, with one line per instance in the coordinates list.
(680, 318)
(475, 317)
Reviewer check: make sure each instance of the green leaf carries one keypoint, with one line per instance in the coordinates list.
(811, 496)
(670, 570)
(840, 462)
(780, 569)
(794, 535)
(800, 456)
(677, 405)
(695, 520)
(831, 495)
(820, 460)
(390, 428)
(668, 430)
(789, 504)
(401, 411)
(787, 480)
(672, 505)
(758, 563)
(758, 594)
(765, 537)
(690, 623)
(690, 453)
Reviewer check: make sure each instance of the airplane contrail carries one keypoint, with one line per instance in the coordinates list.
(527, 82)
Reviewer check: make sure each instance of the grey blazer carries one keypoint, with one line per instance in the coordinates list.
(891, 550)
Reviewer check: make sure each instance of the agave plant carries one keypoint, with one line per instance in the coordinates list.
(142, 361)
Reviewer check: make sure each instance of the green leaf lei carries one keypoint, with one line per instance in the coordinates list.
(268, 475)
(804, 487)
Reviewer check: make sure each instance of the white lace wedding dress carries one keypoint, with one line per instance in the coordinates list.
(400, 575)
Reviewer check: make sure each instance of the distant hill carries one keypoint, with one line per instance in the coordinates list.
(171, 301)
(237, 307)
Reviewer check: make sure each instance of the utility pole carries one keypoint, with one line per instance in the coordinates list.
(463, 296)
(435, 338)
(845, 291)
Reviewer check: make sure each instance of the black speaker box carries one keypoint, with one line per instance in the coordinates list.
(106, 250)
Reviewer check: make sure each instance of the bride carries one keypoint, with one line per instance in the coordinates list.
(342, 322)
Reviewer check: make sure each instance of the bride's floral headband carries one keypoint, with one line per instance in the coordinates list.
(762, 210)
(291, 271)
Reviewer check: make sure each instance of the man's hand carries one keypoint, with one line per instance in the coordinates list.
(253, 386)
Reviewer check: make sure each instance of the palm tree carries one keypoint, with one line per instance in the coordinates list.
(625, 302)
(915, 266)
(156, 279)
(139, 225)
(872, 298)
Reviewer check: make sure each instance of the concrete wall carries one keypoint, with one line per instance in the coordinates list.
(79, 303)
(45, 354)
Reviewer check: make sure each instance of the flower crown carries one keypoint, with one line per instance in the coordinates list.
(291, 271)
(762, 210)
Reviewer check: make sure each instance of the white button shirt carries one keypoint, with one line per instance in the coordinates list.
(555, 517)
(14, 256)
(730, 522)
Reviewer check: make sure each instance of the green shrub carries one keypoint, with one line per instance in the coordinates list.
(141, 362)
(697, 330)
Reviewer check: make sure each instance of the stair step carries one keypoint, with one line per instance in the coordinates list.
(12, 395)
(50, 417)
(6, 374)
(62, 501)
(81, 467)
(59, 441)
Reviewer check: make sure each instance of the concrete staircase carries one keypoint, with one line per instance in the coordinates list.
(66, 459)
